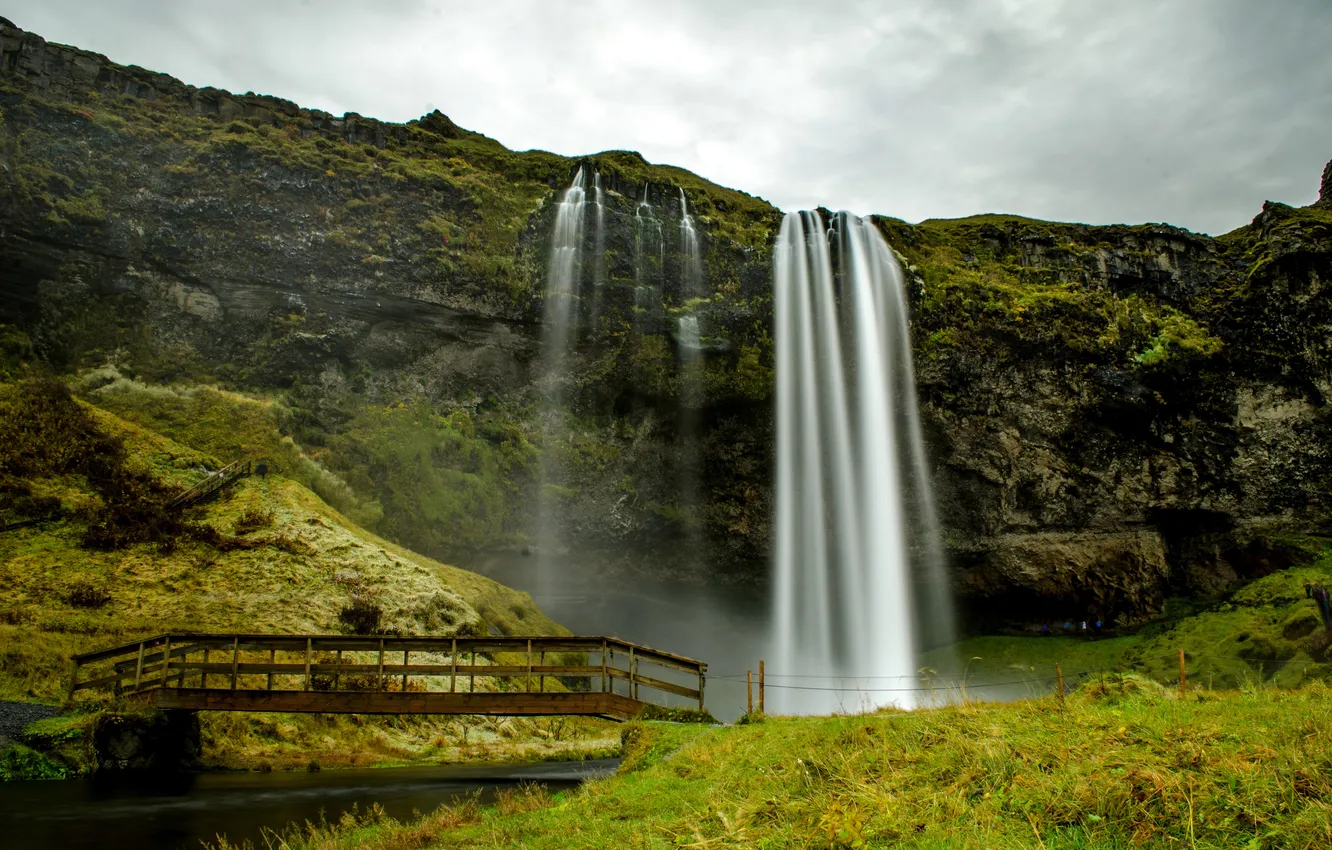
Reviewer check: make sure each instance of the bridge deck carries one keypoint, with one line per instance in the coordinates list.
(518, 676)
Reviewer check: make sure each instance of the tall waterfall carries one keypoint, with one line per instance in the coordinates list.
(563, 297)
(853, 500)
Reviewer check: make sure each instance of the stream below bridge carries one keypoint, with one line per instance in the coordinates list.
(176, 812)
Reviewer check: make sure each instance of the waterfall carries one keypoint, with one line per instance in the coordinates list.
(599, 243)
(853, 499)
(564, 272)
(647, 231)
(691, 260)
(563, 291)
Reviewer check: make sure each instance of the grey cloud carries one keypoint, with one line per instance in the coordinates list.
(1189, 112)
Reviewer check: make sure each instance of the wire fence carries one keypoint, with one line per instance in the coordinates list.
(1179, 667)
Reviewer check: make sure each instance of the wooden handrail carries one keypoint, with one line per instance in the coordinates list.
(165, 662)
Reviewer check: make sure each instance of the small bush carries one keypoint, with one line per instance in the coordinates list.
(86, 592)
(253, 520)
(362, 617)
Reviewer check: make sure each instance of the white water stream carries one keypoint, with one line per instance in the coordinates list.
(853, 499)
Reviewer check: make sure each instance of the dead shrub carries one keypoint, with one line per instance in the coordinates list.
(86, 592)
(362, 616)
(253, 520)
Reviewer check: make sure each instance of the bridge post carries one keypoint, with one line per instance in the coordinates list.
(541, 681)
(309, 644)
(604, 672)
(73, 680)
(337, 677)
(272, 659)
(700, 689)
(380, 674)
(203, 674)
(527, 684)
(453, 665)
(471, 677)
(138, 670)
(405, 654)
(235, 660)
(633, 670)
(166, 661)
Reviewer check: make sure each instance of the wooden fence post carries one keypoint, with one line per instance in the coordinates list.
(527, 685)
(633, 669)
(1182, 677)
(453, 665)
(379, 675)
(309, 645)
(337, 677)
(1059, 675)
(700, 689)
(541, 681)
(406, 653)
(749, 692)
(605, 673)
(203, 674)
(138, 670)
(166, 662)
(73, 680)
(272, 659)
(761, 708)
(471, 677)
(235, 660)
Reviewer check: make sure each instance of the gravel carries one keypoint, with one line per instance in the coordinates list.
(14, 716)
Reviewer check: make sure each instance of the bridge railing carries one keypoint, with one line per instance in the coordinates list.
(214, 482)
(539, 664)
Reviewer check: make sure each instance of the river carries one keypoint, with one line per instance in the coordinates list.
(169, 813)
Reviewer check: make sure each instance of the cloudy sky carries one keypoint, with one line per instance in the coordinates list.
(1186, 111)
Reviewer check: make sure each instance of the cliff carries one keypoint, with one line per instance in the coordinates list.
(1116, 414)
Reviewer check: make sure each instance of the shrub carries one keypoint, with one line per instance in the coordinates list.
(253, 520)
(362, 617)
(86, 592)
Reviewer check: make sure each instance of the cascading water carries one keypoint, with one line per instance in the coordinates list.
(691, 258)
(646, 229)
(853, 499)
(563, 291)
(599, 243)
(565, 271)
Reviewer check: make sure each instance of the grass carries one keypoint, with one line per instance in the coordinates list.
(1263, 633)
(1124, 765)
(275, 558)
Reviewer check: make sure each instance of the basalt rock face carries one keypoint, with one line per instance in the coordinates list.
(1115, 414)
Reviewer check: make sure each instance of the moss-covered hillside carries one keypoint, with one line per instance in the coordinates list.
(111, 565)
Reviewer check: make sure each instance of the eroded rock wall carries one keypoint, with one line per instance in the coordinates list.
(1115, 414)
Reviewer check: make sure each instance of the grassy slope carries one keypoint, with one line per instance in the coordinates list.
(302, 572)
(1138, 768)
(1259, 633)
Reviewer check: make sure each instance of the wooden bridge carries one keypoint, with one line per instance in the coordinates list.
(340, 674)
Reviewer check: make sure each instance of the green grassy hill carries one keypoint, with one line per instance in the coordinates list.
(270, 556)
(1124, 764)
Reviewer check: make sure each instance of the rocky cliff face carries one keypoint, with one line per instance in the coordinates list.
(1116, 413)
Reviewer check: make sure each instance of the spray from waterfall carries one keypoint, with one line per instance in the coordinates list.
(853, 500)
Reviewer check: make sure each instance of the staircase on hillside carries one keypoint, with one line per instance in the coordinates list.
(207, 489)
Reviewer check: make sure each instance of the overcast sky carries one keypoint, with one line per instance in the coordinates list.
(1187, 111)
